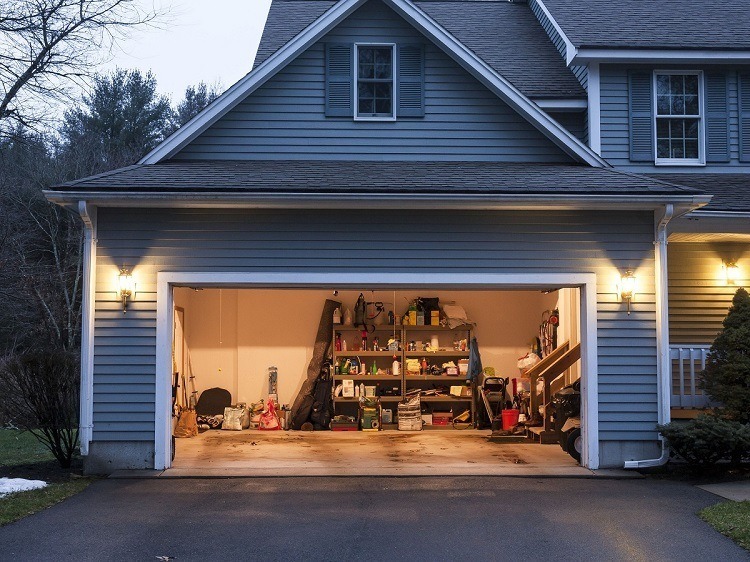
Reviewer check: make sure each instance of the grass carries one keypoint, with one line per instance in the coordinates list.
(22, 456)
(731, 519)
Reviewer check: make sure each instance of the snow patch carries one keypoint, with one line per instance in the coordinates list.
(11, 485)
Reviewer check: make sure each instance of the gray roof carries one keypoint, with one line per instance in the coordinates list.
(505, 35)
(357, 177)
(731, 192)
(650, 24)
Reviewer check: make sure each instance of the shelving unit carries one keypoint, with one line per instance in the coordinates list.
(405, 334)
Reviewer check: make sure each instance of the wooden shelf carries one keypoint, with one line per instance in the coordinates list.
(446, 399)
(345, 399)
(368, 377)
(441, 353)
(378, 328)
(368, 354)
(434, 378)
(410, 328)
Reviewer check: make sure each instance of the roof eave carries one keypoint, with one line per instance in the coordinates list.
(619, 55)
(291, 200)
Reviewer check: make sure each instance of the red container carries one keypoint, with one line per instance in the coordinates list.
(510, 418)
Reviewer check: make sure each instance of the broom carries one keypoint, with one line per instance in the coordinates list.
(187, 424)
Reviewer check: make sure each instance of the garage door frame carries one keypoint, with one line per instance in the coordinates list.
(586, 282)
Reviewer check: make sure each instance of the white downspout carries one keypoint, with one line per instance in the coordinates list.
(662, 336)
(86, 427)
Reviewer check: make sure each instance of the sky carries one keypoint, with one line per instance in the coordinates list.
(213, 41)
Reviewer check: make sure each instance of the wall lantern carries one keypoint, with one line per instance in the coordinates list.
(627, 287)
(731, 272)
(125, 287)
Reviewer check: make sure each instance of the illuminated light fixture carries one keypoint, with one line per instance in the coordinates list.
(627, 287)
(125, 287)
(731, 272)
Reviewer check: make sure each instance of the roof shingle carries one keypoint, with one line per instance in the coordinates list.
(731, 192)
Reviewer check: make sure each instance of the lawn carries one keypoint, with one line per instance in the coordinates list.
(731, 519)
(22, 456)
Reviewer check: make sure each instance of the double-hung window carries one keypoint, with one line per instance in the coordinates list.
(678, 117)
(374, 88)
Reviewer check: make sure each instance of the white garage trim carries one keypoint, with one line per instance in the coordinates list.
(586, 282)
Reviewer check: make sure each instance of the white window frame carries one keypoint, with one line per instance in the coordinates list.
(355, 82)
(701, 160)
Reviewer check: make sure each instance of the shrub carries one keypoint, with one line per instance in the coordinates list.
(708, 439)
(39, 391)
(727, 375)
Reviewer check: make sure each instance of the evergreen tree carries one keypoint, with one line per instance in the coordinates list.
(195, 100)
(727, 375)
(120, 121)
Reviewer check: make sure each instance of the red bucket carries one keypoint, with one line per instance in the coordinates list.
(510, 418)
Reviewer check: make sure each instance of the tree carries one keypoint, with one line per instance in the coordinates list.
(50, 47)
(120, 120)
(727, 375)
(195, 100)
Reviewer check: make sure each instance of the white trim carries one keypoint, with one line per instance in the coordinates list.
(166, 281)
(355, 83)
(570, 50)
(550, 104)
(86, 422)
(560, 136)
(375, 201)
(701, 160)
(595, 112)
(663, 362)
(658, 56)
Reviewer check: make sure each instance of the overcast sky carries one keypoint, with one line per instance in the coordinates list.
(210, 40)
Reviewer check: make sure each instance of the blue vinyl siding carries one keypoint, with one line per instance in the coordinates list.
(615, 131)
(234, 240)
(574, 121)
(285, 118)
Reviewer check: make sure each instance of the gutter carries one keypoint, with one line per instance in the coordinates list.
(345, 200)
(662, 336)
(86, 424)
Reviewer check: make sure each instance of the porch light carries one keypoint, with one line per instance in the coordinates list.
(125, 287)
(627, 287)
(731, 272)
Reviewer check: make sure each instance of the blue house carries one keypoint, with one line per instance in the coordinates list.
(487, 149)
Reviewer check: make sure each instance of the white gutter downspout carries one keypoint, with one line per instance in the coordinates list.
(662, 336)
(86, 427)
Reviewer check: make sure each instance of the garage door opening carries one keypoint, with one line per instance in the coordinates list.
(253, 343)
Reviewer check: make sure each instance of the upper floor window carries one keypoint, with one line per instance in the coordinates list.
(678, 117)
(375, 66)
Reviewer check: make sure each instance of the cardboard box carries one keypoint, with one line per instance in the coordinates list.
(427, 419)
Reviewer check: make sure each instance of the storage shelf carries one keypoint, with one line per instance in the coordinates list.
(434, 378)
(410, 328)
(367, 353)
(378, 328)
(451, 353)
(445, 399)
(345, 399)
(368, 377)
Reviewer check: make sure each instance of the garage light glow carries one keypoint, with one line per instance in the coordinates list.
(731, 272)
(627, 287)
(125, 287)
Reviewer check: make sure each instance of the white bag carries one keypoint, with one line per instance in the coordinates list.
(528, 361)
(233, 418)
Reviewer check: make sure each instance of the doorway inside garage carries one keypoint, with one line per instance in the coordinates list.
(237, 348)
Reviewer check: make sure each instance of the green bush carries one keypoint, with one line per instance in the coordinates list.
(708, 439)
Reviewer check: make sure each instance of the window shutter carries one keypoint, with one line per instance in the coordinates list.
(641, 118)
(717, 118)
(744, 85)
(410, 81)
(339, 70)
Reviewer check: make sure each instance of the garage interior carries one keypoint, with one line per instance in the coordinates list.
(242, 339)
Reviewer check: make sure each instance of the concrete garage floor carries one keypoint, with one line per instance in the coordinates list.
(385, 453)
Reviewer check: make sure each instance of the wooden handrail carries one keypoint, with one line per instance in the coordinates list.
(550, 368)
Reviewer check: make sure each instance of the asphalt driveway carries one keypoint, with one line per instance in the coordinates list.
(477, 518)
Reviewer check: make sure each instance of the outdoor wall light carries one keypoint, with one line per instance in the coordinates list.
(731, 272)
(125, 287)
(627, 287)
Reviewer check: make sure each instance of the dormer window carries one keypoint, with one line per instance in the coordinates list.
(678, 118)
(375, 65)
